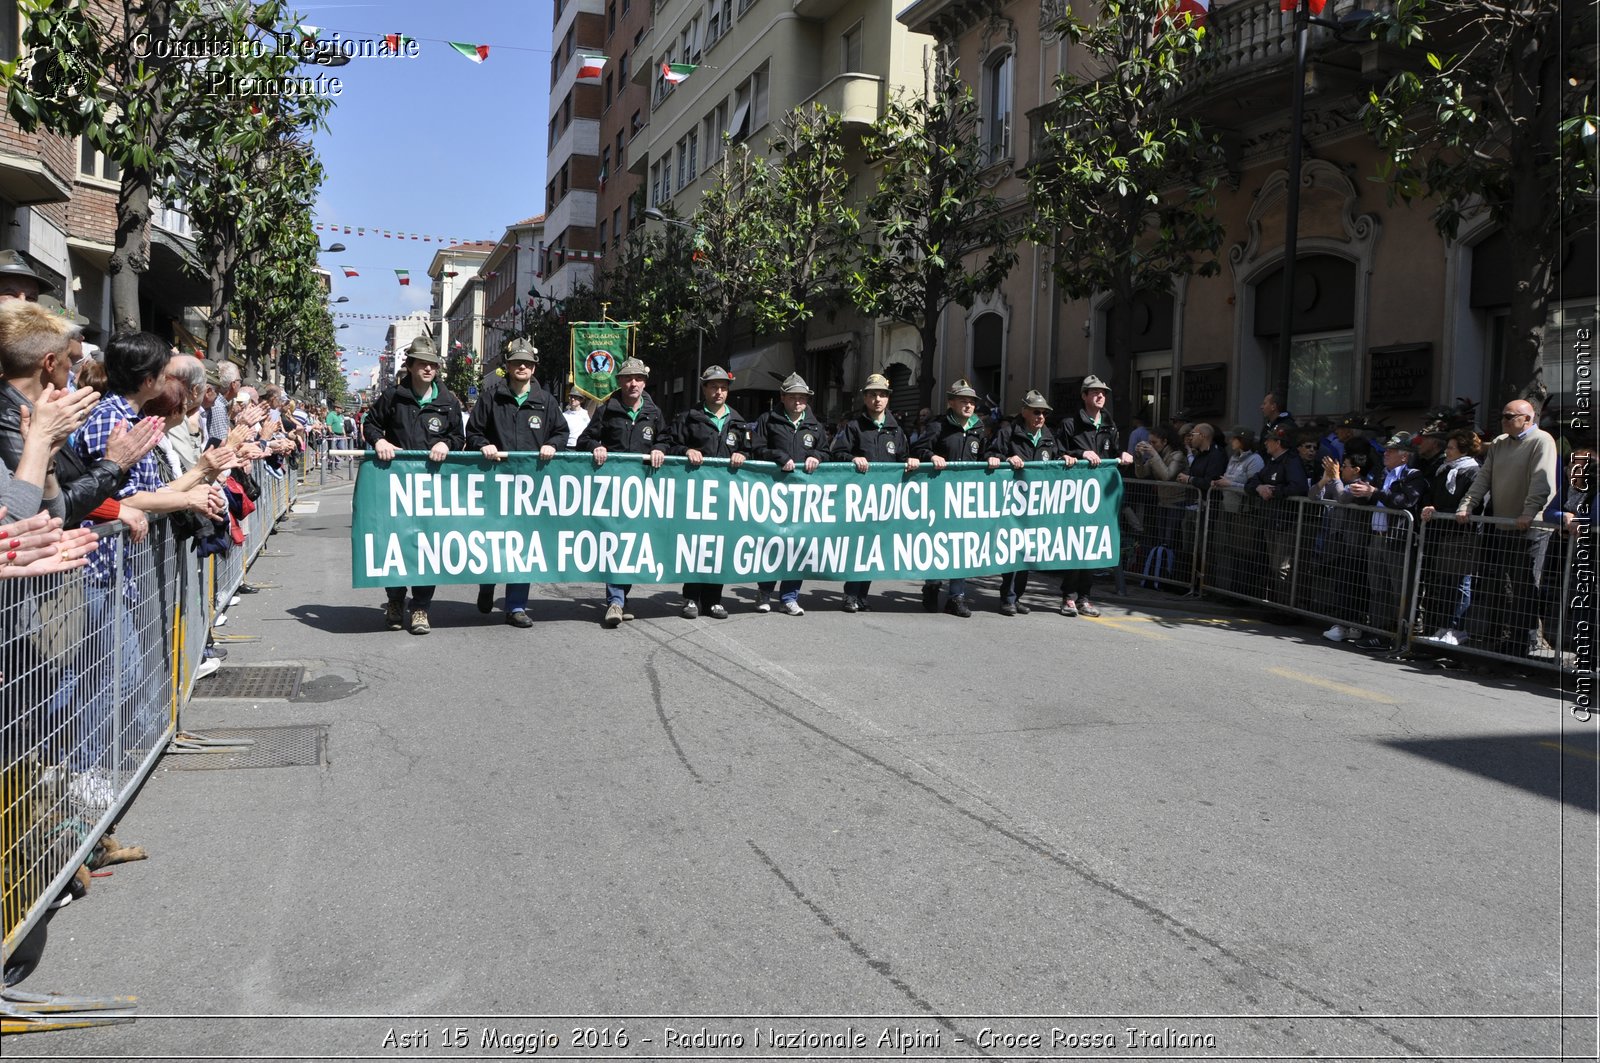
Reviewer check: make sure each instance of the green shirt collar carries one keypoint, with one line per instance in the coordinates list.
(431, 396)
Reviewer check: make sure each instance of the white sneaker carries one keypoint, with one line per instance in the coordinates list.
(1448, 637)
(222, 618)
(763, 603)
(233, 601)
(207, 667)
(793, 609)
(1334, 633)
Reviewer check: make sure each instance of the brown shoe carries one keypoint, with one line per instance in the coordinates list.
(419, 622)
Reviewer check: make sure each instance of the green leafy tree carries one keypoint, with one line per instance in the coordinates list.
(1123, 187)
(730, 265)
(1498, 117)
(806, 228)
(937, 235)
(101, 75)
(652, 283)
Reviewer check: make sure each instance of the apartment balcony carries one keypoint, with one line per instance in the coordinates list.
(855, 97)
(819, 10)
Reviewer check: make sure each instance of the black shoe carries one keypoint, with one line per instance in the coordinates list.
(1007, 609)
(930, 597)
(486, 598)
(519, 618)
(852, 604)
(1023, 610)
(216, 653)
(246, 588)
(1373, 642)
(958, 607)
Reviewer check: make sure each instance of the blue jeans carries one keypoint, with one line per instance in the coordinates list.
(616, 593)
(788, 590)
(112, 677)
(517, 597)
(958, 587)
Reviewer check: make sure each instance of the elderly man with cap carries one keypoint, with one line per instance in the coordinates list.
(791, 438)
(415, 414)
(515, 415)
(1280, 478)
(1089, 435)
(958, 435)
(1399, 488)
(871, 435)
(629, 423)
(713, 430)
(18, 280)
(1028, 438)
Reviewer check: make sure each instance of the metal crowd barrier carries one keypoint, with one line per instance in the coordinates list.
(1161, 525)
(1347, 564)
(1487, 589)
(97, 664)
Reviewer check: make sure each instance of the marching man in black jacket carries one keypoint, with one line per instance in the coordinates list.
(515, 415)
(872, 435)
(415, 414)
(1089, 435)
(628, 423)
(1026, 439)
(957, 436)
(791, 439)
(714, 430)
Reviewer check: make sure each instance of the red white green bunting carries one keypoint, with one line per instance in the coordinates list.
(673, 73)
(476, 52)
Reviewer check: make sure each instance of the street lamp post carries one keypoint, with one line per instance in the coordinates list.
(700, 331)
(1303, 21)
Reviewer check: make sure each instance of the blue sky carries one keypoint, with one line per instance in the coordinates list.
(434, 145)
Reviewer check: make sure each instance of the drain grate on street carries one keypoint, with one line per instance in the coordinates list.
(293, 746)
(257, 681)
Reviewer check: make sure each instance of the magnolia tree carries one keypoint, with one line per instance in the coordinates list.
(1123, 184)
(1497, 117)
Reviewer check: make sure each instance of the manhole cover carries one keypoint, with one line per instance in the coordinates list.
(260, 681)
(294, 746)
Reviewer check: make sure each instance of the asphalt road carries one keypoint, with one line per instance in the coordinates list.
(1176, 831)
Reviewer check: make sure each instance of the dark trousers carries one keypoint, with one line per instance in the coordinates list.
(857, 590)
(1077, 582)
(705, 595)
(1013, 585)
(421, 597)
(1513, 573)
(1386, 565)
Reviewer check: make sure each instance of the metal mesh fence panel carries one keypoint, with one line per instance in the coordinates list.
(1487, 588)
(1160, 534)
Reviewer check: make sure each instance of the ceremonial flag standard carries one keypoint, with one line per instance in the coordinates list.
(598, 348)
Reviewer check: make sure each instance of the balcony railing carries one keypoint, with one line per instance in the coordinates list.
(854, 97)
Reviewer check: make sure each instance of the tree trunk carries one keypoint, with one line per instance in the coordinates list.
(130, 256)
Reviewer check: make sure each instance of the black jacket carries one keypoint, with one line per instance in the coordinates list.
(1407, 493)
(951, 440)
(1446, 501)
(404, 421)
(83, 486)
(1078, 436)
(1283, 472)
(778, 439)
(1012, 440)
(694, 430)
(860, 437)
(496, 418)
(1206, 466)
(611, 427)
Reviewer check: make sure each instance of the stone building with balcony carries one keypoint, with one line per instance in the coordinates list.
(755, 61)
(1387, 314)
(448, 273)
(510, 283)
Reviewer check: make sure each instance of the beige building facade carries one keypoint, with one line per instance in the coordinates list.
(1388, 314)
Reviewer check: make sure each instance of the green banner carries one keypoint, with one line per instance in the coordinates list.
(598, 349)
(471, 520)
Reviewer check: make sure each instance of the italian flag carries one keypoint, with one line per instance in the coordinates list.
(404, 277)
(476, 52)
(1290, 5)
(673, 73)
(349, 272)
(590, 66)
(395, 41)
